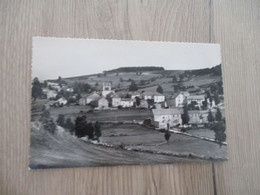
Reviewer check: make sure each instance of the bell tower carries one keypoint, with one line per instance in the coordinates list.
(107, 86)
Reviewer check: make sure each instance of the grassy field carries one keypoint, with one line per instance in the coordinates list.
(131, 144)
(63, 150)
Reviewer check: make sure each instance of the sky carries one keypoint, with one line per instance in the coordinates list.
(66, 57)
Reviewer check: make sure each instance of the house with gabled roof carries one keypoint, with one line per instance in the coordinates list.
(196, 98)
(181, 99)
(166, 118)
(93, 97)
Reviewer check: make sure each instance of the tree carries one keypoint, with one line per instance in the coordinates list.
(90, 131)
(150, 102)
(97, 130)
(205, 104)
(45, 84)
(36, 89)
(185, 116)
(133, 86)
(159, 89)
(137, 101)
(219, 130)
(69, 125)
(167, 136)
(216, 99)
(61, 120)
(210, 117)
(49, 125)
(80, 126)
(218, 115)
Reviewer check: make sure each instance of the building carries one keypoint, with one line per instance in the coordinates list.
(144, 104)
(93, 97)
(147, 95)
(51, 94)
(100, 104)
(158, 97)
(134, 95)
(181, 98)
(126, 102)
(164, 118)
(54, 85)
(198, 116)
(62, 101)
(116, 101)
(199, 99)
(83, 100)
(107, 88)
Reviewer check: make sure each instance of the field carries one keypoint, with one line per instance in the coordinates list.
(123, 144)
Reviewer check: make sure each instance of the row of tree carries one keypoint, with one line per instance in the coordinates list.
(80, 128)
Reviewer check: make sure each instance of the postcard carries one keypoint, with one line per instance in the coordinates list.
(118, 102)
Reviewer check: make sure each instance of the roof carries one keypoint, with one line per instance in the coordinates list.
(126, 99)
(198, 111)
(167, 111)
(102, 98)
(196, 97)
(152, 94)
(94, 96)
(185, 93)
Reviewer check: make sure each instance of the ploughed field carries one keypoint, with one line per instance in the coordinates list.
(120, 144)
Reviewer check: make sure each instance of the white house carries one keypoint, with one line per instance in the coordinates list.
(116, 101)
(62, 101)
(181, 99)
(165, 118)
(198, 116)
(54, 85)
(51, 94)
(126, 102)
(93, 97)
(147, 95)
(158, 97)
(102, 103)
(83, 99)
(196, 98)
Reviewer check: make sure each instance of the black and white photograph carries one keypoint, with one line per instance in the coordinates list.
(119, 102)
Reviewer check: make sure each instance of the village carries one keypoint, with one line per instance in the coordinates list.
(169, 116)
(165, 114)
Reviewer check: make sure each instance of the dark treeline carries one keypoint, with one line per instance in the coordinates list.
(136, 69)
(214, 70)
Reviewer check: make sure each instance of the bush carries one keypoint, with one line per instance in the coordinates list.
(147, 121)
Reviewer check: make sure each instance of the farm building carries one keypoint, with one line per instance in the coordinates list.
(196, 98)
(167, 117)
(198, 116)
(62, 101)
(181, 98)
(127, 102)
(93, 97)
(51, 94)
(83, 100)
(158, 97)
(116, 101)
(100, 104)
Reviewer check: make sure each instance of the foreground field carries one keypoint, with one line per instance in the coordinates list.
(129, 145)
